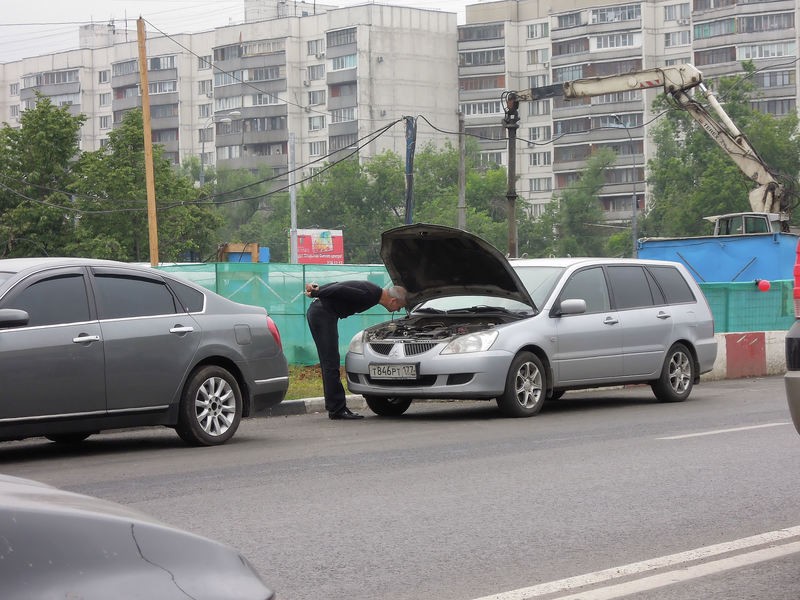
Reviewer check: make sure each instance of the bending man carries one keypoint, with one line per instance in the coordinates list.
(334, 301)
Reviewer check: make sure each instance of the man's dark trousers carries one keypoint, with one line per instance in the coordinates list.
(324, 326)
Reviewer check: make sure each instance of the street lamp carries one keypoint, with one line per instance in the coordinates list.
(634, 207)
(226, 118)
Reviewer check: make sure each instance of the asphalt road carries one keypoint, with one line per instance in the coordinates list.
(604, 494)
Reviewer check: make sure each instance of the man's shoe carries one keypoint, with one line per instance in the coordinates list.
(345, 413)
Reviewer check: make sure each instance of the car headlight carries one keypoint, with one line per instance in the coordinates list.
(472, 342)
(357, 343)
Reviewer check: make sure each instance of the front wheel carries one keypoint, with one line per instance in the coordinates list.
(525, 387)
(677, 376)
(387, 407)
(211, 407)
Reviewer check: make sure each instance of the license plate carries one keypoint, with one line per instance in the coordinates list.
(393, 371)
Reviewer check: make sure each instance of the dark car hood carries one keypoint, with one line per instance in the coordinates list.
(433, 261)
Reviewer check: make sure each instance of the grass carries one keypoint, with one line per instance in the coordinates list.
(305, 382)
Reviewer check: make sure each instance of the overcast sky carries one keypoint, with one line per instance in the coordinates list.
(35, 27)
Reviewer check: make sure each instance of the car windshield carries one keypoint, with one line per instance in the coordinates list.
(539, 280)
(473, 304)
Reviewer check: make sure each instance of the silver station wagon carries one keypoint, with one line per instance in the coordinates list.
(524, 331)
(88, 345)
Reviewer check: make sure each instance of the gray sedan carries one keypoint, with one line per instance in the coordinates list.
(89, 345)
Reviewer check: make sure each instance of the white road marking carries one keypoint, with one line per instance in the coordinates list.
(718, 431)
(675, 561)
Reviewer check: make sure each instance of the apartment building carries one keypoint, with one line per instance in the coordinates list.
(316, 82)
(519, 44)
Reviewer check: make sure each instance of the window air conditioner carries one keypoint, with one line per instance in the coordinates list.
(306, 82)
(320, 55)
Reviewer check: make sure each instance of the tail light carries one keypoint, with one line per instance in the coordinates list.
(273, 329)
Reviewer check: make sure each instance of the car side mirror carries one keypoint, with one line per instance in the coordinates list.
(13, 317)
(570, 306)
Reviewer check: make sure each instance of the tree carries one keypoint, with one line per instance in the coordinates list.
(113, 201)
(37, 215)
(691, 177)
(572, 222)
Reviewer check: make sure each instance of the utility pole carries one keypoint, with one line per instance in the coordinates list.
(511, 123)
(411, 142)
(462, 174)
(152, 222)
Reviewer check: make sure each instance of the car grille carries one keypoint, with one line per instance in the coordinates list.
(411, 348)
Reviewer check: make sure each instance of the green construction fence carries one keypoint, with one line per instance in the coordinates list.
(279, 288)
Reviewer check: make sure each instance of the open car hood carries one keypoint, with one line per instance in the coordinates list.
(432, 261)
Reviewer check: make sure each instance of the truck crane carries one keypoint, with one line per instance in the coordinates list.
(769, 201)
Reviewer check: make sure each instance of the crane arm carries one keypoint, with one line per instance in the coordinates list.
(677, 81)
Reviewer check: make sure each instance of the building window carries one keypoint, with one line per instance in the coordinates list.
(315, 47)
(538, 80)
(228, 53)
(162, 87)
(344, 62)
(260, 47)
(614, 40)
(540, 184)
(487, 82)
(340, 142)
(676, 12)
(104, 76)
(343, 89)
(265, 99)
(615, 14)
(539, 134)
(105, 122)
(677, 38)
(165, 135)
(540, 159)
(203, 62)
(766, 50)
(318, 148)
(125, 68)
(228, 78)
(316, 123)
(204, 111)
(714, 28)
(341, 37)
(489, 159)
(316, 72)
(228, 103)
(538, 107)
(105, 99)
(205, 134)
(316, 97)
(205, 86)
(475, 58)
(164, 111)
(487, 107)
(13, 89)
(538, 56)
(538, 30)
(569, 20)
(343, 115)
(13, 111)
(264, 74)
(477, 33)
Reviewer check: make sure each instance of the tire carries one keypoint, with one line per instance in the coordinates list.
(211, 407)
(526, 386)
(68, 438)
(677, 376)
(387, 407)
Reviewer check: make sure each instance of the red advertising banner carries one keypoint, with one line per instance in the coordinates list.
(320, 246)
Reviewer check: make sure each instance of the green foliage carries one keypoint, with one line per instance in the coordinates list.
(572, 224)
(37, 216)
(115, 221)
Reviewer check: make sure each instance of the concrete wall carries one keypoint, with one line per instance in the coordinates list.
(748, 354)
